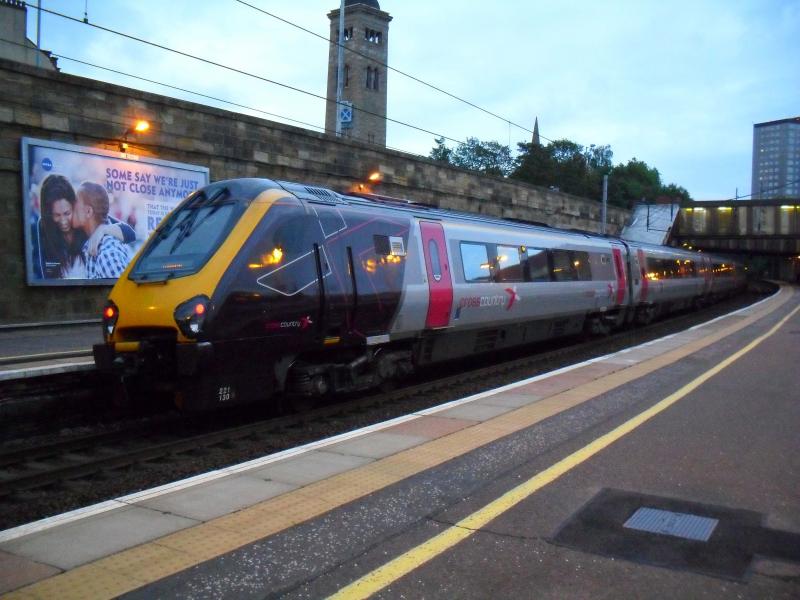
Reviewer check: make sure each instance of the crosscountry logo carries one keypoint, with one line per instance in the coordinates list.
(513, 296)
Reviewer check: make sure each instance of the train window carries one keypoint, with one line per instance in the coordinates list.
(686, 268)
(601, 266)
(508, 264)
(537, 265)
(382, 245)
(475, 260)
(580, 260)
(190, 235)
(563, 266)
(436, 267)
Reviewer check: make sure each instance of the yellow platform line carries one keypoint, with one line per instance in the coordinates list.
(141, 565)
(405, 563)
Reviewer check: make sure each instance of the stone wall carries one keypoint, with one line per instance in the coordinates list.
(54, 106)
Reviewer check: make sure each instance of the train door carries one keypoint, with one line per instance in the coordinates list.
(643, 274)
(708, 274)
(619, 269)
(440, 284)
(335, 296)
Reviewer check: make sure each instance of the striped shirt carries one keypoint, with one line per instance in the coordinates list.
(111, 260)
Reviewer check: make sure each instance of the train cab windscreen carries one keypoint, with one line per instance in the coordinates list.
(189, 237)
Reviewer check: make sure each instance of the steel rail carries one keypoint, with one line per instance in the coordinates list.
(23, 472)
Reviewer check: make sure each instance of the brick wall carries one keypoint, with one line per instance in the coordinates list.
(53, 106)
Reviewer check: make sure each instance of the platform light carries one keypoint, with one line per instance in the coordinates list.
(139, 127)
(724, 208)
(375, 177)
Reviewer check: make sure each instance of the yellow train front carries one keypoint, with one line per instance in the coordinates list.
(231, 289)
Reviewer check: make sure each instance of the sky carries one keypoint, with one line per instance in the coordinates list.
(676, 84)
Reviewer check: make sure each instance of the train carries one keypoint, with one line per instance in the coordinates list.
(253, 290)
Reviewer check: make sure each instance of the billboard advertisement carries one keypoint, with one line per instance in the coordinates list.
(87, 211)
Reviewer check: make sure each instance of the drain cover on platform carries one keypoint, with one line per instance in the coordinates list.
(690, 527)
(665, 532)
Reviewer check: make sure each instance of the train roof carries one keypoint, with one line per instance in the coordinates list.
(327, 196)
(322, 195)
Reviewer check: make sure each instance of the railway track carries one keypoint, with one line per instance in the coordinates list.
(85, 456)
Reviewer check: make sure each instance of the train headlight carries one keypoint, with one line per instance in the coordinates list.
(189, 316)
(110, 316)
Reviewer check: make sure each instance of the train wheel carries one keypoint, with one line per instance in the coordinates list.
(645, 315)
(597, 326)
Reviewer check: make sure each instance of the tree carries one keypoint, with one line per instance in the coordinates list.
(566, 166)
(599, 158)
(633, 182)
(674, 193)
(441, 152)
(535, 164)
(491, 158)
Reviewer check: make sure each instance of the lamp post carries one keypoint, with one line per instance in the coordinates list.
(605, 203)
(141, 126)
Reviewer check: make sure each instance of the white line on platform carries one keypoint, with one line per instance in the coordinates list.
(129, 500)
(46, 370)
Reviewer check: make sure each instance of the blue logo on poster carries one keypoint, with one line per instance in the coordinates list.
(47, 164)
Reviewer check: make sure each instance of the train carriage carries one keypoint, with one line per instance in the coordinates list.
(253, 287)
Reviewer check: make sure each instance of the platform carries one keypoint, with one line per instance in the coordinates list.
(526, 490)
(47, 349)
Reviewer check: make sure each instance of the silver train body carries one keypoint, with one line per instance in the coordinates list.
(253, 287)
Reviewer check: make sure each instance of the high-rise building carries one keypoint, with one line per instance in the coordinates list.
(366, 32)
(776, 159)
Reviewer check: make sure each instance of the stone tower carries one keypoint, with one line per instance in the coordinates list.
(366, 31)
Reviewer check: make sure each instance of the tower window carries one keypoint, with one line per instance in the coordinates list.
(373, 37)
(348, 34)
(346, 75)
(373, 78)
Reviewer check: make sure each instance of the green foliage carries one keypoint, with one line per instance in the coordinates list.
(674, 193)
(440, 151)
(565, 166)
(633, 182)
(490, 158)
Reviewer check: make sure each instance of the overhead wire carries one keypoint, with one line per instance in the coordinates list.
(196, 93)
(237, 70)
(768, 190)
(387, 66)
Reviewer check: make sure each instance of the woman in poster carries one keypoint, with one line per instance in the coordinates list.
(59, 244)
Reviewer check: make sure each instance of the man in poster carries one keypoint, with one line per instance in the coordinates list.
(139, 193)
(91, 210)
